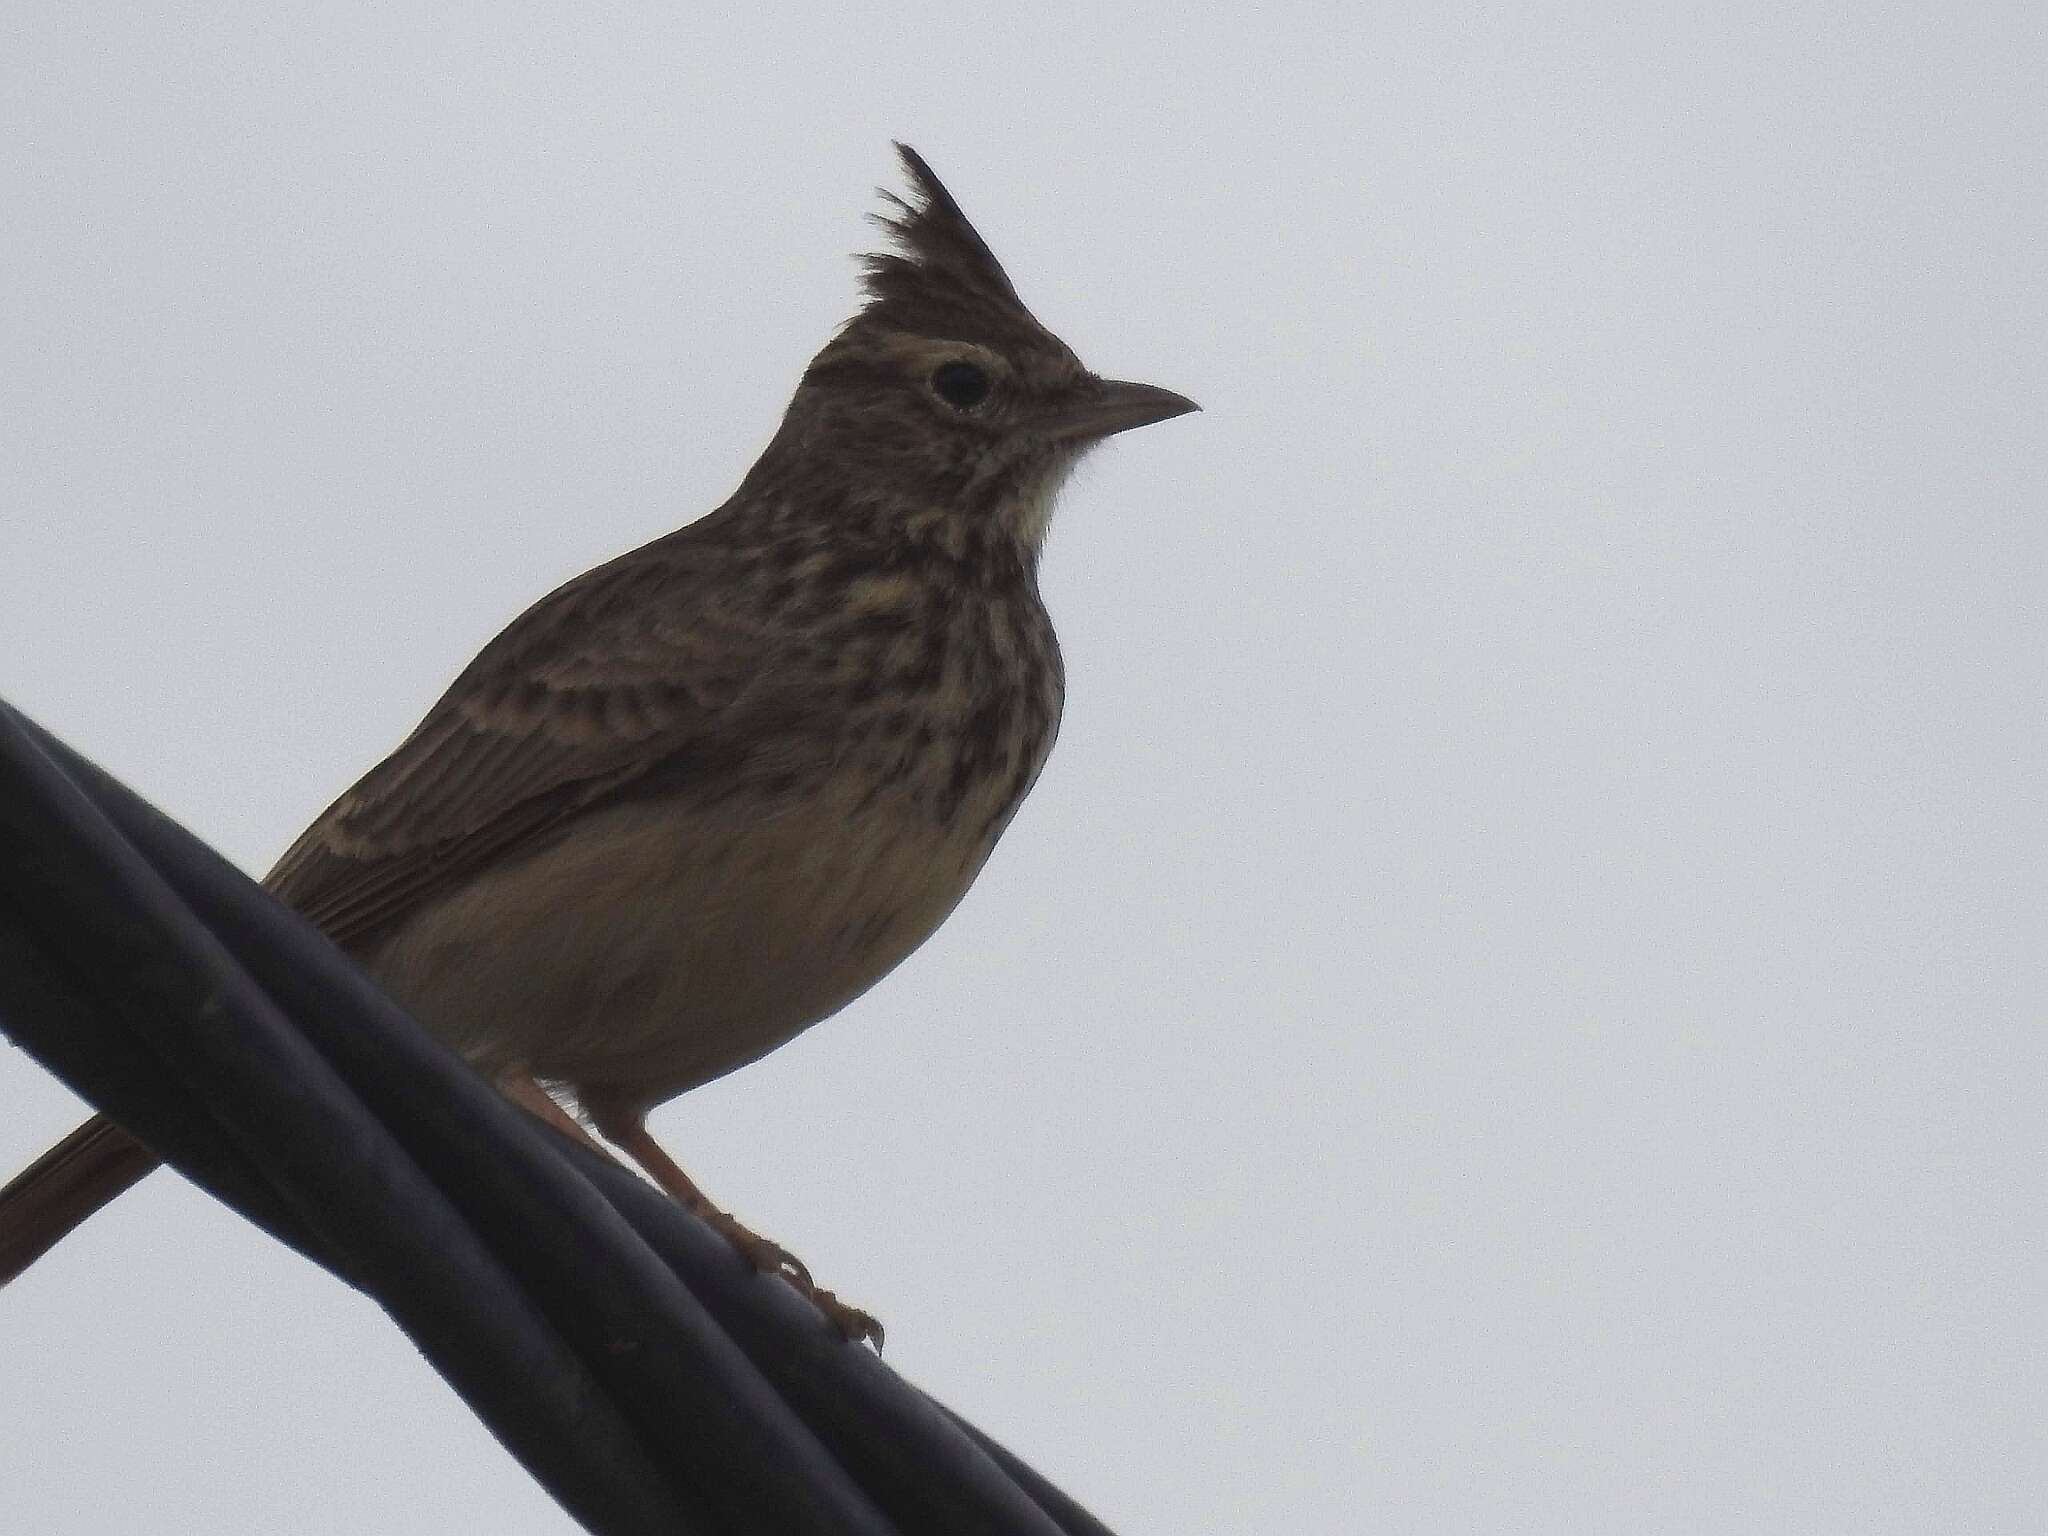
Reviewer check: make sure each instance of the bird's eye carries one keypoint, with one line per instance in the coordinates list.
(961, 385)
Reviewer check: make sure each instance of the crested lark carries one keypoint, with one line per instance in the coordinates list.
(703, 796)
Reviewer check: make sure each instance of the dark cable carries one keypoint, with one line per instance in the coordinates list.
(642, 1371)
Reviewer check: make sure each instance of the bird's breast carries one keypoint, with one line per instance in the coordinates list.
(659, 943)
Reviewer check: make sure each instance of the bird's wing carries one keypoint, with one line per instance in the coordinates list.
(617, 675)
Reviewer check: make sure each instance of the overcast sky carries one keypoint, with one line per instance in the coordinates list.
(1518, 1004)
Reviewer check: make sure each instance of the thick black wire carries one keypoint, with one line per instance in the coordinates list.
(644, 1373)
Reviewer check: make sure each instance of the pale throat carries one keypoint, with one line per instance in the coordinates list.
(1030, 513)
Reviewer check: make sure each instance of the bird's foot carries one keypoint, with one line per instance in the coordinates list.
(626, 1126)
(765, 1254)
(770, 1257)
(854, 1325)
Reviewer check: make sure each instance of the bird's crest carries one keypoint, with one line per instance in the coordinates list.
(940, 279)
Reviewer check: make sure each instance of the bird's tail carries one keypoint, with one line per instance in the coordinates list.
(64, 1186)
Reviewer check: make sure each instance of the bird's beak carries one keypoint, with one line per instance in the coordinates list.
(1116, 405)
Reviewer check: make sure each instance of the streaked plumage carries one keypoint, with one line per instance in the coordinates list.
(702, 796)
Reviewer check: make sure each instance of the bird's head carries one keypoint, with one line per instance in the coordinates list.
(944, 401)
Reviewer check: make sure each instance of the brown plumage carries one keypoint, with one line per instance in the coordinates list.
(704, 795)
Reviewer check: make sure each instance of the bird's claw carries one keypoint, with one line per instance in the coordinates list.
(853, 1325)
(771, 1258)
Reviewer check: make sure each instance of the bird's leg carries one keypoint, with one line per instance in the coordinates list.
(629, 1133)
(524, 1090)
(627, 1130)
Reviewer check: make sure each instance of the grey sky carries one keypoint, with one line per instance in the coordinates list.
(1518, 1003)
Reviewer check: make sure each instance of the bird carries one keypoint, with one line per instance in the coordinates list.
(702, 796)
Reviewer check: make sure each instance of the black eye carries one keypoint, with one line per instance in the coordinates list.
(961, 385)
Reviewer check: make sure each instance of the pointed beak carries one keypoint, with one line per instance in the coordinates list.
(1115, 405)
